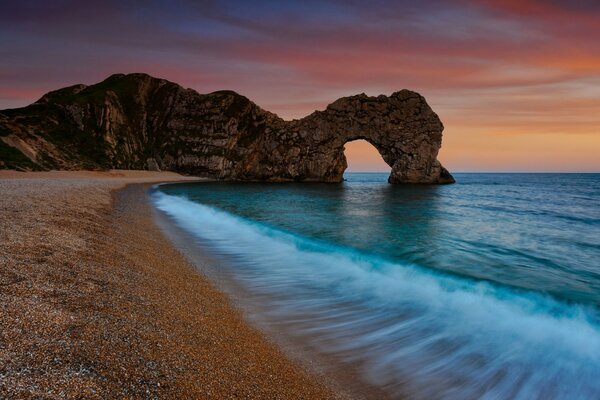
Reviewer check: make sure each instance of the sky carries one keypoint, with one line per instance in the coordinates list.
(515, 82)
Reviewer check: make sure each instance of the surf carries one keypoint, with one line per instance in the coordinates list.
(411, 329)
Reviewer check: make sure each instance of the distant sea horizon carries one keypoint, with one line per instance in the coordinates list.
(486, 172)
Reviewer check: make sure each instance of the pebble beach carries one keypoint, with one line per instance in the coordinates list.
(96, 303)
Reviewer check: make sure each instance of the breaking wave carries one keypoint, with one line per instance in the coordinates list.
(412, 330)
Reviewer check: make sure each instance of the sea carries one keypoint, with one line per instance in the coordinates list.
(485, 289)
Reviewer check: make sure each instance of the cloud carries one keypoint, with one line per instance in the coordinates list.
(504, 67)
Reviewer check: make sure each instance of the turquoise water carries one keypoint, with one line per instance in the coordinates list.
(486, 288)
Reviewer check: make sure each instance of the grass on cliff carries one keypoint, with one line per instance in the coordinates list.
(86, 148)
(12, 158)
(4, 131)
(125, 88)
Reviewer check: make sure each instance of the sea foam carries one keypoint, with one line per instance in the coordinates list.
(412, 330)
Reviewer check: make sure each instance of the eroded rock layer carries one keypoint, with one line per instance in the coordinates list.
(136, 121)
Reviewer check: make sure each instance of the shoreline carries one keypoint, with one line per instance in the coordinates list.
(99, 303)
(345, 380)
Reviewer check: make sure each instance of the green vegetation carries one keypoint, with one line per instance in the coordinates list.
(12, 158)
(239, 104)
(89, 149)
(227, 93)
(4, 131)
(122, 85)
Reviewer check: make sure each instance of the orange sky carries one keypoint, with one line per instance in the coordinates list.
(515, 82)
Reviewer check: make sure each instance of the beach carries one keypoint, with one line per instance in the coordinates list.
(113, 287)
(96, 303)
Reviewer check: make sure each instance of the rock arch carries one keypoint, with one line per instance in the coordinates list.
(362, 156)
(402, 127)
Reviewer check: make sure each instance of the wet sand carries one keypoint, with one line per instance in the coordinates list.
(96, 303)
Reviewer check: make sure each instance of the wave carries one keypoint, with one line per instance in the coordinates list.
(412, 330)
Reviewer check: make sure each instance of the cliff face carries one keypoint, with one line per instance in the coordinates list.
(139, 122)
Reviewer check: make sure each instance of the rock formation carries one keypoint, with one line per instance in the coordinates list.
(136, 121)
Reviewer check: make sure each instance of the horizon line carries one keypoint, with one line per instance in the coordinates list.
(490, 172)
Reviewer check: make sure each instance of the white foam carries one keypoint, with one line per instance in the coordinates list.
(440, 336)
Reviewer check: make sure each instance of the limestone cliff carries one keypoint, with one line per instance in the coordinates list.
(136, 121)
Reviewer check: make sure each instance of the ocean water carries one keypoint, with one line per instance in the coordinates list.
(488, 288)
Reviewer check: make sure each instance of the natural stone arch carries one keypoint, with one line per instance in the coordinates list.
(383, 153)
(360, 164)
(402, 127)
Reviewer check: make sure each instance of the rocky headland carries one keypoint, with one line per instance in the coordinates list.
(136, 121)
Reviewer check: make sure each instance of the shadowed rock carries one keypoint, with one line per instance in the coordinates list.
(136, 121)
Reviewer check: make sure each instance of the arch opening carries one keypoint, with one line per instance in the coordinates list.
(362, 156)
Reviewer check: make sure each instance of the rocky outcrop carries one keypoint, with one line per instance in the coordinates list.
(136, 121)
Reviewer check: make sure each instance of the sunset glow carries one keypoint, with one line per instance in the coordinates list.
(516, 83)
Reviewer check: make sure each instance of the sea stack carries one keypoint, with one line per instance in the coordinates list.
(136, 121)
